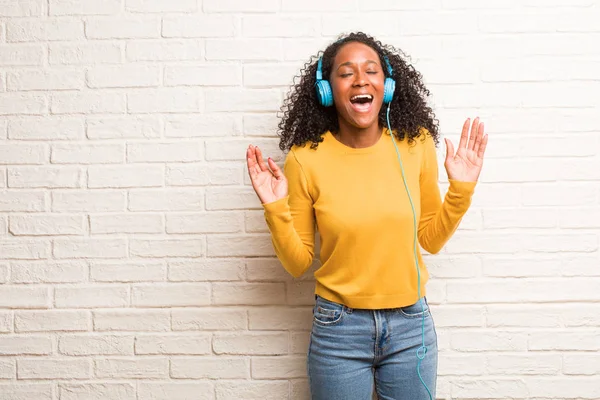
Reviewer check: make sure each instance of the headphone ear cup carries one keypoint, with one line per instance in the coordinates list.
(324, 93)
(388, 92)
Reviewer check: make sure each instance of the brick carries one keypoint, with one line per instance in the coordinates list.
(301, 49)
(29, 8)
(280, 318)
(278, 367)
(127, 271)
(126, 223)
(278, 26)
(84, 53)
(206, 270)
(96, 102)
(559, 195)
(383, 25)
(167, 100)
(25, 345)
(56, 79)
(87, 154)
(36, 368)
(198, 26)
(581, 364)
(205, 223)
(493, 341)
(46, 128)
(173, 344)
(164, 152)
(567, 387)
(203, 75)
(300, 293)
(255, 343)
(458, 316)
(24, 249)
(249, 293)
(176, 390)
(491, 388)
(538, 364)
(521, 268)
(268, 75)
(244, 49)
(299, 342)
(157, 248)
(468, 364)
(165, 50)
(233, 6)
(300, 389)
(41, 30)
(564, 340)
(23, 154)
(123, 128)
(260, 124)
(231, 199)
(453, 267)
(159, 6)
(580, 316)
(41, 225)
(97, 391)
(132, 368)
(8, 370)
(210, 368)
(88, 201)
(523, 218)
(3, 273)
(26, 391)
(223, 150)
(137, 27)
(125, 176)
(23, 104)
(90, 248)
(91, 296)
(88, 345)
(6, 321)
(90, 7)
(171, 200)
(170, 295)
(21, 54)
(132, 320)
(202, 175)
(216, 125)
(242, 100)
(52, 320)
(253, 390)
(233, 246)
(267, 270)
(123, 76)
(206, 319)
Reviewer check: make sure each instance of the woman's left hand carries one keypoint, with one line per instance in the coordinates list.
(466, 164)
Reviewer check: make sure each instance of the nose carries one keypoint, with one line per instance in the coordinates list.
(360, 79)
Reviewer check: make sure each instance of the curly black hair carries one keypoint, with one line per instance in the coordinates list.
(305, 120)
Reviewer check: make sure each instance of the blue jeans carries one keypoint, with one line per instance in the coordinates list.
(353, 351)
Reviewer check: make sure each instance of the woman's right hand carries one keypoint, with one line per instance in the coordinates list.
(269, 185)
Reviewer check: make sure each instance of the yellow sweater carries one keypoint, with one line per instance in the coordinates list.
(357, 199)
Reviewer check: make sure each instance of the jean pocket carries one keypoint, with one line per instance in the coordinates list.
(416, 310)
(327, 312)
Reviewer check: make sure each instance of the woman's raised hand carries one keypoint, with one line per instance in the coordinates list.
(269, 184)
(466, 164)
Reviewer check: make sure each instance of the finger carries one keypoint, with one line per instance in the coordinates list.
(276, 170)
(464, 136)
(478, 139)
(253, 167)
(474, 131)
(484, 142)
(259, 159)
(449, 150)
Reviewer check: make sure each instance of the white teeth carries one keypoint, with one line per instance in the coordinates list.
(362, 96)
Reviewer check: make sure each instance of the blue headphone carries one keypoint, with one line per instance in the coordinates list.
(325, 94)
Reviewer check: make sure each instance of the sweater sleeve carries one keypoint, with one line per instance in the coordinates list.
(439, 220)
(291, 221)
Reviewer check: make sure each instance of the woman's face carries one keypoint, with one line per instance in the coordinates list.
(357, 81)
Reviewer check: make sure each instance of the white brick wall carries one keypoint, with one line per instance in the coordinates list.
(134, 258)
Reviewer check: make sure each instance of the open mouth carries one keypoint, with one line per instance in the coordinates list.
(361, 102)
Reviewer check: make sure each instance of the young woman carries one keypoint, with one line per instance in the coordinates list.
(361, 167)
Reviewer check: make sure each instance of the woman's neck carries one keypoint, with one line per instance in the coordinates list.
(356, 137)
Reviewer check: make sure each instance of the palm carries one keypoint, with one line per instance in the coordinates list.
(466, 163)
(268, 185)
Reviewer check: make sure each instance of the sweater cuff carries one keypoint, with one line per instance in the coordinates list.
(276, 207)
(462, 188)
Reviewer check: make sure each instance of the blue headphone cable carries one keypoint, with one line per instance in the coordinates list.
(421, 351)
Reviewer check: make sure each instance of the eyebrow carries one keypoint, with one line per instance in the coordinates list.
(347, 63)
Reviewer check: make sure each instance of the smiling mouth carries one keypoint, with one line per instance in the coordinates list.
(361, 102)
